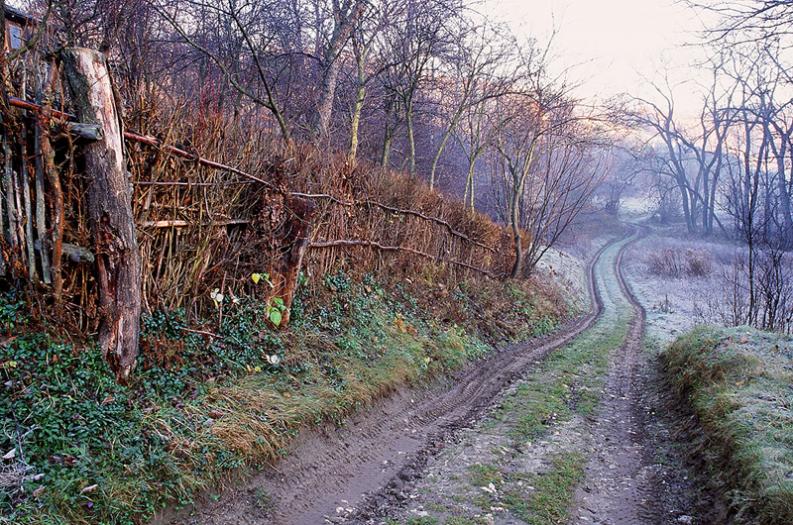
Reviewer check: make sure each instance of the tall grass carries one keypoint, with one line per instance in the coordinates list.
(737, 382)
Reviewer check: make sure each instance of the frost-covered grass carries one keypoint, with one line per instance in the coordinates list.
(570, 274)
(738, 382)
(677, 303)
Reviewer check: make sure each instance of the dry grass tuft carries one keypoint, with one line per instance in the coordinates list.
(677, 262)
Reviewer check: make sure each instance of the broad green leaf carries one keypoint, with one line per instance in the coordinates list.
(275, 317)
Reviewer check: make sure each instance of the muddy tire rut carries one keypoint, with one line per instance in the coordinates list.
(331, 472)
(624, 482)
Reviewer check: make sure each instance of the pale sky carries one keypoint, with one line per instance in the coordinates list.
(612, 45)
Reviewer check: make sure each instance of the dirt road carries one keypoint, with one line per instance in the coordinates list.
(400, 460)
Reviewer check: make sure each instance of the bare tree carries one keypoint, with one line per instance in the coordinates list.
(542, 161)
(693, 154)
(478, 70)
(344, 16)
(414, 42)
(747, 20)
(244, 21)
(366, 42)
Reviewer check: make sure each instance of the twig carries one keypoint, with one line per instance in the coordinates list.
(402, 211)
(201, 332)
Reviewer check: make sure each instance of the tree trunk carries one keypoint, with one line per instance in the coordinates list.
(388, 139)
(344, 24)
(784, 195)
(328, 95)
(441, 147)
(686, 209)
(296, 235)
(469, 197)
(411, 139)
(360, 96)
(517, 191)
(109, 210)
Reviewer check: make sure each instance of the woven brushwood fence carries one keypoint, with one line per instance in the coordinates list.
(211, 199)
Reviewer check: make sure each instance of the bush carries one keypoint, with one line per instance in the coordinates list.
(676, 262)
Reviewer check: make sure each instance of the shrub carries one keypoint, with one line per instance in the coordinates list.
(676, 262)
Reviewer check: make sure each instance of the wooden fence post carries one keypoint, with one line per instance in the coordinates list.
(285, 269)
(109, 209)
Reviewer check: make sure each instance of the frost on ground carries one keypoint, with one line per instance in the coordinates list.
(567, 267)
(569, 273)
(522, 463)
(675, 304)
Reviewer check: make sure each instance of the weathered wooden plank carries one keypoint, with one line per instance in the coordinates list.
(10, 195)
(90, 132)
(41, 207)
(53, 177)
(27, 204)
(110, 215)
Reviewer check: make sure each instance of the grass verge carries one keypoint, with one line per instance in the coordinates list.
(567, 384)
(738, 383)
(81, 449)
(549, 503)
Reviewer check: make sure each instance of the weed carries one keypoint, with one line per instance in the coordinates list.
(460, 520)
(676, 262)
(483, 475)
(263, 500)
(549, 503)
(422, 520)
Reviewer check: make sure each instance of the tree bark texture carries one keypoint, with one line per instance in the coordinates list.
(110, 215)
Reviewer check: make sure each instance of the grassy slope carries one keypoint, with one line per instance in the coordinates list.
(202, 408)
(738, 382)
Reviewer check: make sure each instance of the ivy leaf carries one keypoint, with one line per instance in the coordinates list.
(275, 317)
(256, 277)
(279, 302)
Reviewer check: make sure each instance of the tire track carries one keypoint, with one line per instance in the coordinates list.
(366, 464)
(624, 483)
(615, 489)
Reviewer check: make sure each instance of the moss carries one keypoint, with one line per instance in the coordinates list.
(737, 382)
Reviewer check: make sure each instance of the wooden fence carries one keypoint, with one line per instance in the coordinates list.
(104, 242)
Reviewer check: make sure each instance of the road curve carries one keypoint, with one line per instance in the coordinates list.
(367, 461)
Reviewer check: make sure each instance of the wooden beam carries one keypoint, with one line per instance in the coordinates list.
(110, 215)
